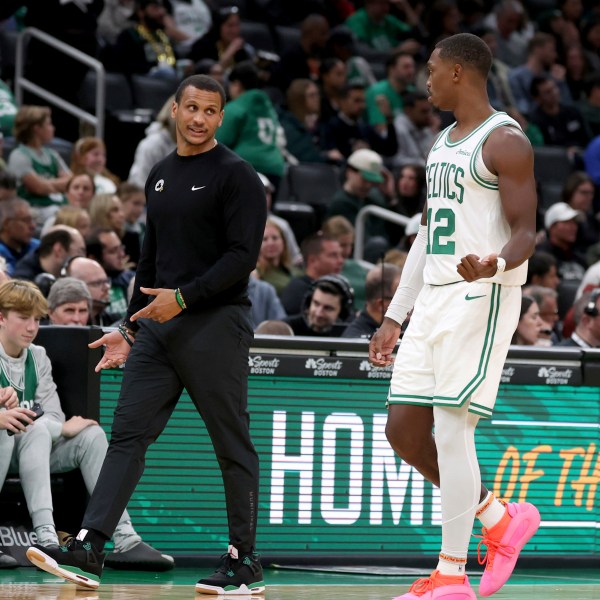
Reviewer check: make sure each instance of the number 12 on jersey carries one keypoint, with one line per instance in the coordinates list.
(440, 227)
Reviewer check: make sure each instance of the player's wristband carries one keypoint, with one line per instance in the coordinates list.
(501, 265)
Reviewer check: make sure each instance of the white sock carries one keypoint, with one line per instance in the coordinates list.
(490, 510)
(46, 535)
(448, 565)
(460, 483)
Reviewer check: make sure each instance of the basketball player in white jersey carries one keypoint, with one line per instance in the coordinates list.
(463, 277)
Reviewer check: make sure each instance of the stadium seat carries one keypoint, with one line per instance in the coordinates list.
(8, 53)
(550, 193)
(286, 37)
(314, 184)
(551, 164)
(151, 93)
(118, 92)
(258, 35)
(300, 216)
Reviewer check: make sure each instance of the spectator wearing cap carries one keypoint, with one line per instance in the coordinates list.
(380, 284)
(586, 312)
(364, 171)
(69, 302)
(560, 222)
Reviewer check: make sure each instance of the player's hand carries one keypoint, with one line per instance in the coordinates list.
(16, 419)
(383, 343)
(115, 353)
(471, 267)
(8, 398)
(163, 308)
(76, 425)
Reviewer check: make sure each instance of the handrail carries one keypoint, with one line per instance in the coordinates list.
(359, 225)
(22, 83)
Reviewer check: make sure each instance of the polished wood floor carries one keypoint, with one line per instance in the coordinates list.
(30, 584)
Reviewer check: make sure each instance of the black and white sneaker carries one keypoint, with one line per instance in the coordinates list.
(78, 562)
(236, 575)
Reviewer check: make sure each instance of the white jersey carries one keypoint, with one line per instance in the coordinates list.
(464, 211)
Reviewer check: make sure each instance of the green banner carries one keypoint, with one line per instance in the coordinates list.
(330, 483)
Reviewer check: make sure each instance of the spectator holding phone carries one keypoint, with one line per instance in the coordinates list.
(52, 443)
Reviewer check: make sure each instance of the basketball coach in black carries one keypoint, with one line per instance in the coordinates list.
(188, 326)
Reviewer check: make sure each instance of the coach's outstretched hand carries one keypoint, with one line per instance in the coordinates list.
(115, 353)
(383, 343)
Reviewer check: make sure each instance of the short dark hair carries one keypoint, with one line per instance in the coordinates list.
(466, 49)
(8, 181)
(47, 241)
(411, 98)
(313, 244)
(536, 83)
(200, 82)
(394, 58)
(380, 281)
(539, 264)
(350, 87)
(246, 74)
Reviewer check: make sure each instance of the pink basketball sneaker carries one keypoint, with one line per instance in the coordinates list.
(440, 587)
(504, 542)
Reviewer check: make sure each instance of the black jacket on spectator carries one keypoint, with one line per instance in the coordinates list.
(292, 296)
(300, 326)
(567, 128)
(339, 132)
(364, 326)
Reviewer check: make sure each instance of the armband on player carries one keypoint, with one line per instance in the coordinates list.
(501, 265)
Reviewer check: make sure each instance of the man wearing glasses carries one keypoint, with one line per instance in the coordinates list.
(107, 248)
(98, 283)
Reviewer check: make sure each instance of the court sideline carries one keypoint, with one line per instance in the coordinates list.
(286, 584)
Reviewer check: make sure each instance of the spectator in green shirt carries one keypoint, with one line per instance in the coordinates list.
(401, 72)
(375, 27)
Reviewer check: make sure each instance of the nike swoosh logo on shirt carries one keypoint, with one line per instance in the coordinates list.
(467, 297)
(194, 188)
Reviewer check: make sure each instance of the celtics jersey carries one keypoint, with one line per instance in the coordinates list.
(26, 381)
(464, 211)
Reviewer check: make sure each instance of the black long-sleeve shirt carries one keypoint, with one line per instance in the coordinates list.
(205, 222)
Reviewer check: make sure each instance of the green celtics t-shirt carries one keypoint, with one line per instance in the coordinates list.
(26, 388)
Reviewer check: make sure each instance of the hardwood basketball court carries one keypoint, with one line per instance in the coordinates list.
(286, 584)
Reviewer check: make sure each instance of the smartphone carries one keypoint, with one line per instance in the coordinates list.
(37, 409)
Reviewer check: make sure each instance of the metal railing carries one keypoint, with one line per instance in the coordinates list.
(22, 83)
(361, 218)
